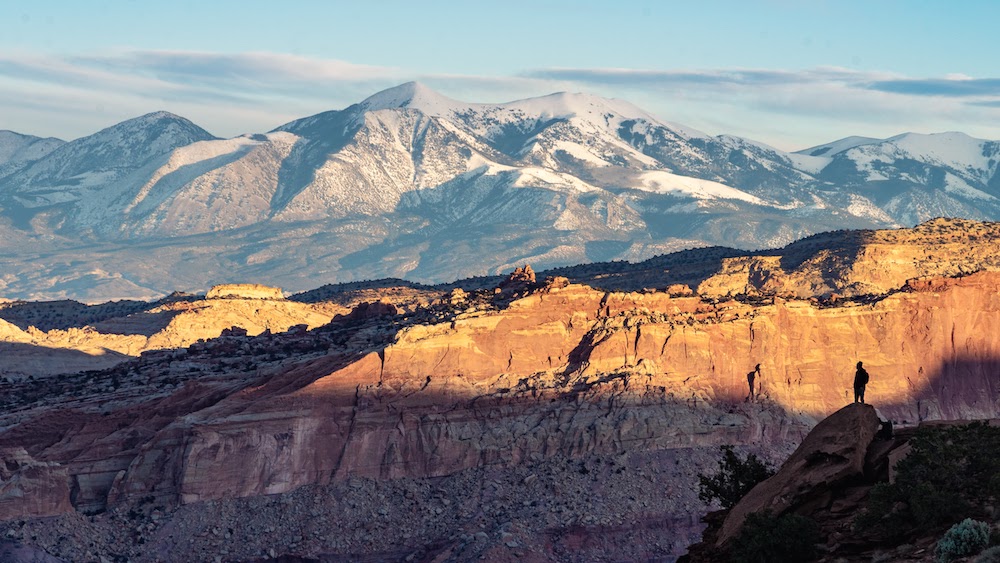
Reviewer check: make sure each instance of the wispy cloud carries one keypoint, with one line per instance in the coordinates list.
(785, 105)
(269, 70)
(636, 77)
(952, 87)
(262, 89)
(767, 80)
(697, 78)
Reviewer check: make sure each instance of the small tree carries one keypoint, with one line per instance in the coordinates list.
(951, 472)
(734, 480)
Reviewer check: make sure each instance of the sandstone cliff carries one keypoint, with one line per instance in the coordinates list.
(623, 367)
(174, 324)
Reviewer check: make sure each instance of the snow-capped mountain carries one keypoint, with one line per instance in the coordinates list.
(17, 149)
(913, 177)
(91, 178)
(410, 183)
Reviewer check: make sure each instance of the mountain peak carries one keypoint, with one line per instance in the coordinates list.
(152, 125)
(157, 117)
(566, 104)
(944, 136)
(413, 95)
(119, 147)
(838, 146)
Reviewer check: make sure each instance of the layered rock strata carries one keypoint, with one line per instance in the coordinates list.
(563, 370)
(574, 370)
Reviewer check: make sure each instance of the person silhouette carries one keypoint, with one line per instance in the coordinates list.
(860, 380)
(750, 380)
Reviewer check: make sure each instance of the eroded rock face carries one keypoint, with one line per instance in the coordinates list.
(563, 371)
(29, 487)
(575, 370)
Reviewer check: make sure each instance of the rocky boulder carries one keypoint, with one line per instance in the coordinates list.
(830, 455)
(372, 310)
(521, 279)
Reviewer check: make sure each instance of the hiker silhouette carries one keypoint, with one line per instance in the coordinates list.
(750, 380)
(860, 380)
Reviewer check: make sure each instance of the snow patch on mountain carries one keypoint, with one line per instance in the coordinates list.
(861, 206)
(531, 177)
(579, 152)
(563, 105)
(952, 149)
(15, 147)
(837, 147)
(660, 182)
(807, 163)
(955, 185)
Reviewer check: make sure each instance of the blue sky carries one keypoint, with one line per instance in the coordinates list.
(793, 74)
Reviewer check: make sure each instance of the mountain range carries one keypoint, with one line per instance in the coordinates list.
(409, 183)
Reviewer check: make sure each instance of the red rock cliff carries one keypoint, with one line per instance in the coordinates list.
(574, 370)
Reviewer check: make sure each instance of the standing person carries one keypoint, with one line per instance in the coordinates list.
(860, 380)
(750, 380)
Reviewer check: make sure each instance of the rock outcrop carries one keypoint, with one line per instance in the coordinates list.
(845, 263)
(244, 291)
(29, 487)
(831, 455)
(828, 480)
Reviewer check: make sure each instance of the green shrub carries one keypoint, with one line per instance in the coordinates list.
(966, 538)
(789, 538)
(734, 480)
(950, 472)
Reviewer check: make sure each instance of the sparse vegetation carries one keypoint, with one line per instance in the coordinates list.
(951, 473)
(788, 538)
(734, 480)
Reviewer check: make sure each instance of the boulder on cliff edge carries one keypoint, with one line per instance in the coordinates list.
(832, 454)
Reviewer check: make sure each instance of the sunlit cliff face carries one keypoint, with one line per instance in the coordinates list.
(931, 349)
(552, 371)
(569, 370)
